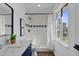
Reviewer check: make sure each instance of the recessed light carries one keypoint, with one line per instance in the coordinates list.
(38, 5)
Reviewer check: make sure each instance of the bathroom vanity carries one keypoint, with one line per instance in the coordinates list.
(21, 48)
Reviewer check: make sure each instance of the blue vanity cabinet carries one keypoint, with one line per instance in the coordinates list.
(28, 51)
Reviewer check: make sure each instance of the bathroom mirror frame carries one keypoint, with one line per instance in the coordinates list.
(12, 17)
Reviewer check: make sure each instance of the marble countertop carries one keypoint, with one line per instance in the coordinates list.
(15, 49)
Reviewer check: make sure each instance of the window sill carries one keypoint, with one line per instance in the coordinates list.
(62, 43)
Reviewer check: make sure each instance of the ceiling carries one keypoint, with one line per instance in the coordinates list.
(44, 7)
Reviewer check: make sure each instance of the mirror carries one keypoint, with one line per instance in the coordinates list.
(6, 19)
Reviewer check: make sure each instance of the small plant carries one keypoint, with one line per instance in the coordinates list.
(13, 39)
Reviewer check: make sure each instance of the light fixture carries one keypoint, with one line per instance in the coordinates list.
(38, 5)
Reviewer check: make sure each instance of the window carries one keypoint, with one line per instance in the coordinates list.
(65, 25)
(62, 24)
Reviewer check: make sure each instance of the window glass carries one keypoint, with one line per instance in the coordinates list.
(65, 25)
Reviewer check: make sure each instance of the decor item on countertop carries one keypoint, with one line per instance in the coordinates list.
(13, 39)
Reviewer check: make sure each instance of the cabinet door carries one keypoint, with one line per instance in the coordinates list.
(28, 51)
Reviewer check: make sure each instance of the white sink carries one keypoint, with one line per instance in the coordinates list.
(14, 49)
(18, 44)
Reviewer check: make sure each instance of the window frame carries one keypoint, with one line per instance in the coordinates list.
(60, 39)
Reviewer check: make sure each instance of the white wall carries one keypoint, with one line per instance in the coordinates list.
(75, 18)
(39, 34)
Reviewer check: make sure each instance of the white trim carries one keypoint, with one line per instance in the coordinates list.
(60, 39)
(57, 9)
(62, 43)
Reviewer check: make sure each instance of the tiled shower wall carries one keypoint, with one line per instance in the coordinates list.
(38, 34)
